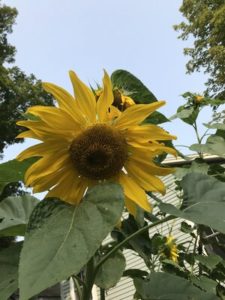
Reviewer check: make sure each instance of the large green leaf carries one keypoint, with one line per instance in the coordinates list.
(214, 145)
(15, 213)
(134, 88)
(111, 271)
(9, 260)
(169, 287)
(13, 171)
(204, 201)
(63, 241)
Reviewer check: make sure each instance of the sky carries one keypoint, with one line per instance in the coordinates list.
(87, 36)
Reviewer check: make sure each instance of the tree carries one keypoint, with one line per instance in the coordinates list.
(205, 22)
(17, 90)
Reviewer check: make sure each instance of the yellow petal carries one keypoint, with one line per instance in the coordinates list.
(131, 206)
(65, 101)
(84, 96)
(46, 165)
(154, 148)
(41, 150)
(45, 132)
(27, 134)
(54, 117)
(144, 179)
(146, 133)
(106, 99)
(113, 113)
(144, 161)
(44, 183)
(134, 192)
(69, 189)
(137, 113)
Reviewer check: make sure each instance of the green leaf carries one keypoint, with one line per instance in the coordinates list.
(183, 112)
(141, 243)
(134, 88)
(220, 126)
(196, 167)
(61, 243)
(186, 114)
(214, 145)
(210, 261)
(205, 283)
(111, 271)
(13, 171)
(157, 242)
(186, 228)
(15, 213)
(217, 171)
(169, 287)
(9, 260)
(204, 201)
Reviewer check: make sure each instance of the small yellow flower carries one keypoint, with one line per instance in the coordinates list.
(198, 99)
(170, 250)
(120, 100)
(82, 145)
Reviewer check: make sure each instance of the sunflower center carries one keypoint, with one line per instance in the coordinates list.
(99, 152)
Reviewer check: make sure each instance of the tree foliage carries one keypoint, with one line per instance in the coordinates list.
(205, 22)
(17, 90)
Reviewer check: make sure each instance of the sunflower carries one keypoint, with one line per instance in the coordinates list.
(85, 142)
(198, 99)
(170, 249)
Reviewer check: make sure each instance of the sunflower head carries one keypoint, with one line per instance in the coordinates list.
(99, 152)
(120, 100)
(198, 99)
(170, 250)
(86, 139)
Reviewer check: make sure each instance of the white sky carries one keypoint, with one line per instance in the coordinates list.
(54, 36)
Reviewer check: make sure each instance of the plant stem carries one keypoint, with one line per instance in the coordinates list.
(194, 252)
(196, 131)
(102, 294)
(77, 285)
(198, 137)
(118, 246)
(89, 280)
